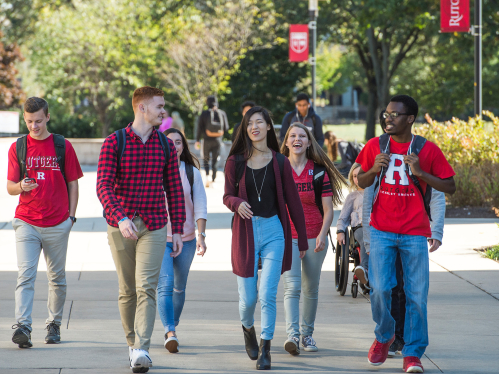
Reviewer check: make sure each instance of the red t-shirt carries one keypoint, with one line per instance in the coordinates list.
(399, 206)
(48, 204)
(313, 217)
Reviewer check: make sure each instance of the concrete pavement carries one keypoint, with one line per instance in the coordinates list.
(463, 307)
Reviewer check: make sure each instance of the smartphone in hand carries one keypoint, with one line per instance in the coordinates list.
(29, 180)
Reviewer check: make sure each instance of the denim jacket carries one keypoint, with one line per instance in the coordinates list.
(437, 210)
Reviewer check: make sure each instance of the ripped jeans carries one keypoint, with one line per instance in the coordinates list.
(172, 283)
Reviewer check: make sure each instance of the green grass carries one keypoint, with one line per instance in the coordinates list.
(351, 132)
(492, 253)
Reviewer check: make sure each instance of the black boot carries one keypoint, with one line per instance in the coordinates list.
(250, 343)
(263, 362)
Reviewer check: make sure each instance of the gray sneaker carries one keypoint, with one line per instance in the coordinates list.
(53, 334)
(309, 344)
(292, 346)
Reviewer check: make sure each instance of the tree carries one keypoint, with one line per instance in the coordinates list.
(383, 34)
(97, 57)
(266, 75)
(203, 49)
(11, 93)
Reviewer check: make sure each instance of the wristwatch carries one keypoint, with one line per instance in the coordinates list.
(72, 219)
(203, 234)
(340, 231)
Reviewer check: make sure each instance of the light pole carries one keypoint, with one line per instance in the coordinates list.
(478, 57)
(313, 10)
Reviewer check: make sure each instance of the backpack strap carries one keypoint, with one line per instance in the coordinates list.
(21, 147)
(384, 146)
(166, 150)
(318, 184)
(121, 138)
(189, 171)
(60, 152)
(417, 145)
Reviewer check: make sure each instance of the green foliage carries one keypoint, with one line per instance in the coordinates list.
(472, 148)
(265, 75)
(492, 253)
(472, 142)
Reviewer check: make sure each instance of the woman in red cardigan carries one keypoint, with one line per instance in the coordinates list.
(258, 183)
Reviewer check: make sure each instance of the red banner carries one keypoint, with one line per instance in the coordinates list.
(454, 15)
(298, 43)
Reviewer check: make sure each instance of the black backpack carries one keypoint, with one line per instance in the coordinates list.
(121, 138)
(60, 152)
(417, 145)
(318, 183)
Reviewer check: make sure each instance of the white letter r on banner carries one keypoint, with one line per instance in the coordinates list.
(41, 175)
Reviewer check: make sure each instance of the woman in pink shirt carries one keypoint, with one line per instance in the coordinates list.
(319, 186)
(175, 270)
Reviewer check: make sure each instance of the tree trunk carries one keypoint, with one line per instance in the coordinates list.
(371, 111)
(102, 114)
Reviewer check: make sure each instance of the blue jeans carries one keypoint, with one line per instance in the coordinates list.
(269, 246)
(415, 262)
(304, 276)
(172, 283)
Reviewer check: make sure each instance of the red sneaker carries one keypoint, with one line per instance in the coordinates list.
(379, 352)
(412, 365)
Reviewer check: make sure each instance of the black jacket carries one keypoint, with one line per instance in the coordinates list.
(312, 121)
(205, 122)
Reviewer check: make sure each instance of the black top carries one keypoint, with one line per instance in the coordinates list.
(267, 206)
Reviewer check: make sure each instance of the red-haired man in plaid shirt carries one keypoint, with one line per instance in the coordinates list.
(132, 194)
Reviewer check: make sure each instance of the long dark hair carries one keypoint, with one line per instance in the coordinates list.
(186, 155)
(242, 143)
(317, 155)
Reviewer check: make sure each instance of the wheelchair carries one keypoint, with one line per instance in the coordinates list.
(345, 255)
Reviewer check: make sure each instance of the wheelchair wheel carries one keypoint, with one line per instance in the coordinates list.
(341, 266)
(355, 290)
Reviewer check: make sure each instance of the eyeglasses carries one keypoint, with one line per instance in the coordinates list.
(394, 115)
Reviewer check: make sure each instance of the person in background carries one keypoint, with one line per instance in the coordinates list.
(166, 123)
(331, 143)
(247, 105)
(177, 122)
(319, 187)
(48, 196)
(305, 114)
(175, 270)
(212, 124)
(260, 190)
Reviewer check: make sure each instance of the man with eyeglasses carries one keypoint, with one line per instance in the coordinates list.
(406, 167)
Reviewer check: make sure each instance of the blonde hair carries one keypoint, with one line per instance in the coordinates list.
(317, 155)
(353, 186)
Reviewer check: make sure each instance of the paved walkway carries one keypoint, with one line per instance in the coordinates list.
(463, 307)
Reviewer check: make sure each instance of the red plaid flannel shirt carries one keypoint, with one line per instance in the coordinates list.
(136, 189)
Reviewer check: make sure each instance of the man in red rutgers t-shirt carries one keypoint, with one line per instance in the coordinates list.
(400, 224)
(43, 219)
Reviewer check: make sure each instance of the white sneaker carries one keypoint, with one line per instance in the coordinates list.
(171, 344)
(140, 361)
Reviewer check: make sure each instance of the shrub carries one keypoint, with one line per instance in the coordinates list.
(492, 253)
(472, 142)
(472, 148)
